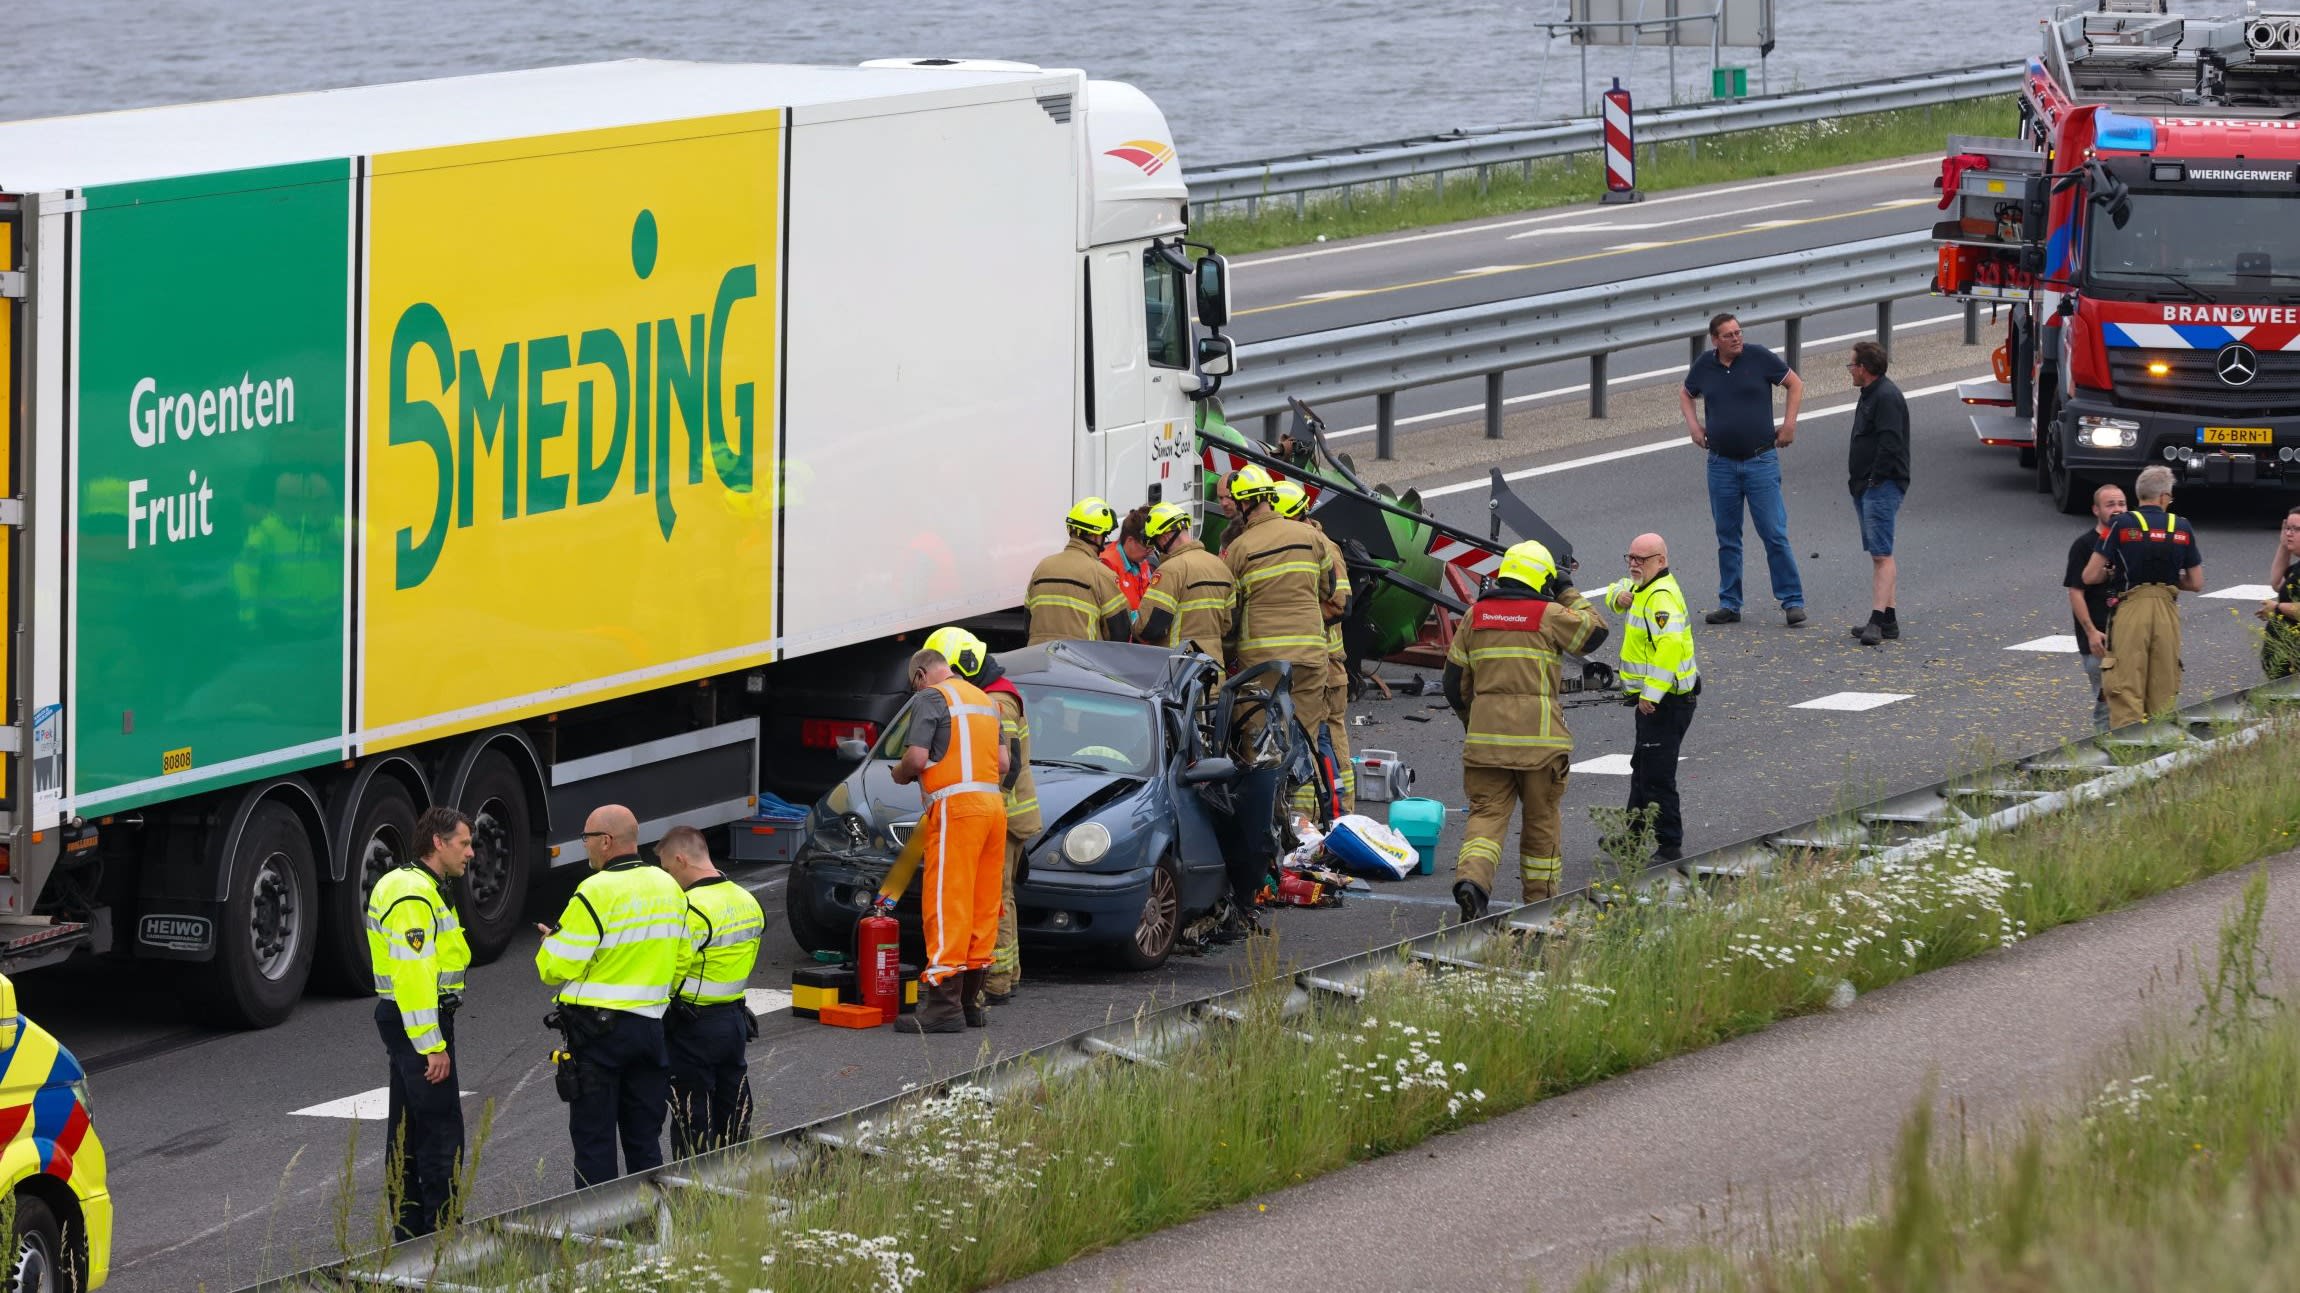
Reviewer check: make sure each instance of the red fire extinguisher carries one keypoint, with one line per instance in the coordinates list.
(878, 963)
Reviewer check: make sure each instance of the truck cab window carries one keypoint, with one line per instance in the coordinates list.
(1166, 314)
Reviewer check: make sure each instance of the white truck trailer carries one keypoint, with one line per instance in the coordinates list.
(529, 441)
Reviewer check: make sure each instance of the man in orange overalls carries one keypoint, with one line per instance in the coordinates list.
(954, 753)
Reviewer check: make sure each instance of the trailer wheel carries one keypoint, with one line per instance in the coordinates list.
(270, 925)
(382, 837)
(502, 855)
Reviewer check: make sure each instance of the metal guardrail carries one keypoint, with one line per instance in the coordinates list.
(1389, 163)
(1381, 359)
(637, 1215)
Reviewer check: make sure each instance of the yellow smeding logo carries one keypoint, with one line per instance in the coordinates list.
(572, 347)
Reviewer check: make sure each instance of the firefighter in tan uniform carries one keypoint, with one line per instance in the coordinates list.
(971, 658)
(1501, 678)
(1294, 504)
(1073, 596)
(1284, 580)
(1188, 600)
(2153, 553)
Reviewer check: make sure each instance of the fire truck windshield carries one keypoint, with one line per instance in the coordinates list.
(2214, 246)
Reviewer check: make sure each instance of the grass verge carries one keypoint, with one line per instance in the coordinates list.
(963, 1193)
(1563, 181)
(2179, 1171)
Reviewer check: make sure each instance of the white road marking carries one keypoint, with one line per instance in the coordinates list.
(2063, 643)
(1639, 450)
(1852, 702)
(2244, 593)
(764, 886)
(1674, 370)
(1582, 213)
(766, 1001)
(1635, 246)
(1641, 226)
(1607, 765)
(367, 1106)
(1492, 269)
(1909, 202)
(1342, 294)
(1771, 224)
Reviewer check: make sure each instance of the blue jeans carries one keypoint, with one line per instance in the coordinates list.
(1877, 506)
(1756, 481)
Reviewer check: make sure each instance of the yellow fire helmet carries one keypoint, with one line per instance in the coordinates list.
(1253, 481)
(1093, 518)
(1165, 517)
(964, 650)
(1289, 498)
(1528, 563)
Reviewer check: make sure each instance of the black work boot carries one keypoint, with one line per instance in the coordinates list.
(941, 1011)
(1470, 898)
(970, 998)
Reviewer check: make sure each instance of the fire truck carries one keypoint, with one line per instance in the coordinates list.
(2142, 240)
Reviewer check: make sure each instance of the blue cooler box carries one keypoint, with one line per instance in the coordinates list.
(1421, 821)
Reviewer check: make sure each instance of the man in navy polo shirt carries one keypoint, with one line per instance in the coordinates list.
(1735, 382)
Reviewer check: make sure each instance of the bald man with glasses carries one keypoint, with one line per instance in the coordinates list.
(1659, 677)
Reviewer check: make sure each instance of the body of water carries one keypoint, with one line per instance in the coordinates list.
(1236, 80)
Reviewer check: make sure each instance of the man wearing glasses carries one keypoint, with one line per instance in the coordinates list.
(614, 957)
(1659, 677)
(1735, 383)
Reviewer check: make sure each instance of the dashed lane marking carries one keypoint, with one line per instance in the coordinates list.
(1607, 765)
(1642, 226)
(2063, 643)
(1583, 213)
(1852, 702)
(367, 1106)
(2244, 593)
(1672, 442)
(1626, 379)
(1342, 294)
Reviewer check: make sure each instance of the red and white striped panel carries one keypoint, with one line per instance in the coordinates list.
(1481, 562)
(1620, 145)
(1222, 462)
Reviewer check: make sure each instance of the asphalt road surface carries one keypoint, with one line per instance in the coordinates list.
(229, 1150)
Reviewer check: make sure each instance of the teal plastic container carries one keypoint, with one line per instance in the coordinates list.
(1421, 821)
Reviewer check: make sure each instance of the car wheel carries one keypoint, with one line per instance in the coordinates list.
(811, 934)
(1160, 923)
(40, 1261)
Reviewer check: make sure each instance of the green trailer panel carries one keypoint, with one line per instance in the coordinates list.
(211, 481)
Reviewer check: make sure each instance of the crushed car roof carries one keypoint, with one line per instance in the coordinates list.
(1101, 666)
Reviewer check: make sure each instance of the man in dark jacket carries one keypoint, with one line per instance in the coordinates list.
(1877, 468)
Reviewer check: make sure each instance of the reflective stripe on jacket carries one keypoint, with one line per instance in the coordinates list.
(618, 942)
(416, 948)
(1507, 650)
(1072, 595)
(1657, 646)
(721, 943)
(1339, 670)
(1022, 821)
(1284, 578)
(1193, 592)
(970, 765)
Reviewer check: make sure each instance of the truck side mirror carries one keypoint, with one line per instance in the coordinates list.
(1216, 355)
(2035, 211)
(1210, 278)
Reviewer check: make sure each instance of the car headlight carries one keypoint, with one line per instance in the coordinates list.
(1086, 843)
(87, 1101)
(2108, 433)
